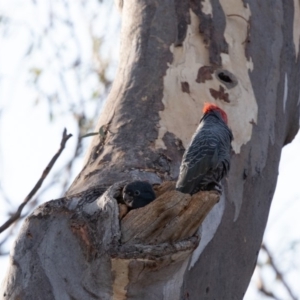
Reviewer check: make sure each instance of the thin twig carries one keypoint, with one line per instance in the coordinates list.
(17, 214)
(279, 275)
(262, 288)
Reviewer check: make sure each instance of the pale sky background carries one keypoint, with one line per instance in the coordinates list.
(28, 140)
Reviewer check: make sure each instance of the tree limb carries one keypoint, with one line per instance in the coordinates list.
(278, 273)
(45, 173)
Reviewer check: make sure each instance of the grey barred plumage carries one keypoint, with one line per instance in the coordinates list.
(207, 159)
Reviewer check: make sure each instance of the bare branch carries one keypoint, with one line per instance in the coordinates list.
(45, 173)
(267, 293)
(279, 274)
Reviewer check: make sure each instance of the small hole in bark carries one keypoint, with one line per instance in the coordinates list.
(185, 87)
(207, 290)
(224, 77)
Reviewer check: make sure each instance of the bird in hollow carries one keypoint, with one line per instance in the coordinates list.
(207, 159)
(138, 194)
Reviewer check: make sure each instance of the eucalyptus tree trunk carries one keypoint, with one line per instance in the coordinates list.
(175, 55)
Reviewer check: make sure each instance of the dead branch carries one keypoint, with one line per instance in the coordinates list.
(262, 288)
(45, 173)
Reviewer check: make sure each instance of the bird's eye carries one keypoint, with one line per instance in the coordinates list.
(136, 193)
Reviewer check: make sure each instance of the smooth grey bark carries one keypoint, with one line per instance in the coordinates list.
(174, 57)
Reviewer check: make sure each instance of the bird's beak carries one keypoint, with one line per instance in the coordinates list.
(129, 203)
(127, 199)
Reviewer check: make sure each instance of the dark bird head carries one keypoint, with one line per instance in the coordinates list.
(209, 107)
(138, 194)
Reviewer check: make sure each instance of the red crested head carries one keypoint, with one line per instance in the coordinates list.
(208, 107)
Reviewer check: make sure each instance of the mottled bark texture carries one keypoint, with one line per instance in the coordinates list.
(175, 55)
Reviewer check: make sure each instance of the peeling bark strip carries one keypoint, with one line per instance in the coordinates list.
(193, 56)
(212, 28)
(208, 27)
(183, 19)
